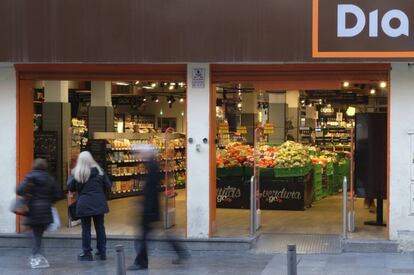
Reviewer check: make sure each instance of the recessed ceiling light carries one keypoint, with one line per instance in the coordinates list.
(181, 100)
(383, 84)
(122, 83)
(137, 82)
(153, 85)
(171, 87)
(372, 91)
(345, 84)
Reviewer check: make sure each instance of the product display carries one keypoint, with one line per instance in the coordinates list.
(292, 175)
(128, 172)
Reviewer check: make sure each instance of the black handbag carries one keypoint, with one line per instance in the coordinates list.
(20, 206)
(72, 207)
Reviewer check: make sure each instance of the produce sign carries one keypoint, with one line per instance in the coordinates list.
(232, 192)
(269, 128)
(286, 193)
(242, 130)
(223, 128)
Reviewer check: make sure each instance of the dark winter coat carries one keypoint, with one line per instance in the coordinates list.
(91, 199)
(41, 191)
(151, 205)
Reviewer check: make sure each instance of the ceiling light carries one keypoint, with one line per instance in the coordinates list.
(345, 84)
(181, 84)
(239, 105)
(182, 100)
(172, 84)
(122, 83)
(372, 91)
(350, 111)
(144, 99)
(171, 87)
(240, 92)
(383, 84)
(153, 85)
(137, 82)
(148, 87)
(154, 98)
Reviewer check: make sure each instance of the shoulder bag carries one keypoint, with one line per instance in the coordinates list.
(72, 207)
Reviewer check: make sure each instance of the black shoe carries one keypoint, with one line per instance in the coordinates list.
(135, 266)
(85, 257)
(100, 256)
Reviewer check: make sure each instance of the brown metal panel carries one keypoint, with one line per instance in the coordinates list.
(137, 31)
(150, 72)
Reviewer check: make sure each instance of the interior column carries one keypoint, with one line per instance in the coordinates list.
(57, 117)
(101, 112)
(292, 101)
(249, 114)
(200, 216)
(277, 116)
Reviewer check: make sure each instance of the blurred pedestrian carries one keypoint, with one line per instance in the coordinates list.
(151, 209)
(91, 184)
(40, 191)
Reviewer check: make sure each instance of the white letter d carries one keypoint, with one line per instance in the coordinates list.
(342, 30)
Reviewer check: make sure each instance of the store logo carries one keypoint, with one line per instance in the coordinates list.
(228, 194)
(346, 11)
(362, 29)
(277, 196)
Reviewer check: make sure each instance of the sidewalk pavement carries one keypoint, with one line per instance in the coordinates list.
(63, 261)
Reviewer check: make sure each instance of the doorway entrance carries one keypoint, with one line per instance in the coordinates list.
(106, 109)
(308, 117)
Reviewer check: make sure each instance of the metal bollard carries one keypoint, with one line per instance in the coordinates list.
(292, 268)
(344, 208)
(120, 260)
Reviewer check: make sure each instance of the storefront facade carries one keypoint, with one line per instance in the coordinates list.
(246, 47)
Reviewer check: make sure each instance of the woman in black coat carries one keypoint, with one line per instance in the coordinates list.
(91, 185)
(39, 188)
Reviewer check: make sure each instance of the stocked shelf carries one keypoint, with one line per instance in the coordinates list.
(120, 159)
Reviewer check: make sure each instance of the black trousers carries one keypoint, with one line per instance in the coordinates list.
(38, 231)
(98, 221)
(142, 249)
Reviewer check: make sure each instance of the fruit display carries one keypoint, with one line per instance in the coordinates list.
(235, 154)
(325, 157)
(288, 155)
(267, 156)
(292, 154)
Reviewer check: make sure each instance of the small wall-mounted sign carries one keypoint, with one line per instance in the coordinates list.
(198, 78)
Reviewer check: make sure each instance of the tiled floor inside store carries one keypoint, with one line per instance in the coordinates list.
(324, 217)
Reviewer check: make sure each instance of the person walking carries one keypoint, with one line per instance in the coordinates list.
(151, 209)
(91, 184)
(40, 191)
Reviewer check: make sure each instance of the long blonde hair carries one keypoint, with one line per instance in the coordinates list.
(84, 164)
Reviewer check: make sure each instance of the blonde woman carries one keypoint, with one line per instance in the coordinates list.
(91, 184)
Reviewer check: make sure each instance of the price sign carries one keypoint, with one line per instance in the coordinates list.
(242, 130)
(269, 128)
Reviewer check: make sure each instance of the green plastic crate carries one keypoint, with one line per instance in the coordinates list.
(292, 172)
(236, 171)
(266, 173)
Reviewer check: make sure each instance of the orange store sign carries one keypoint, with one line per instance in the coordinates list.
(362, 29)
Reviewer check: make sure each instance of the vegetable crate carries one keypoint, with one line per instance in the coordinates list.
(343, 170)
(236, 171)
(317, 182)
(292, 172)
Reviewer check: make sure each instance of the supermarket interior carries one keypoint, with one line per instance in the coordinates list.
(298, 144)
